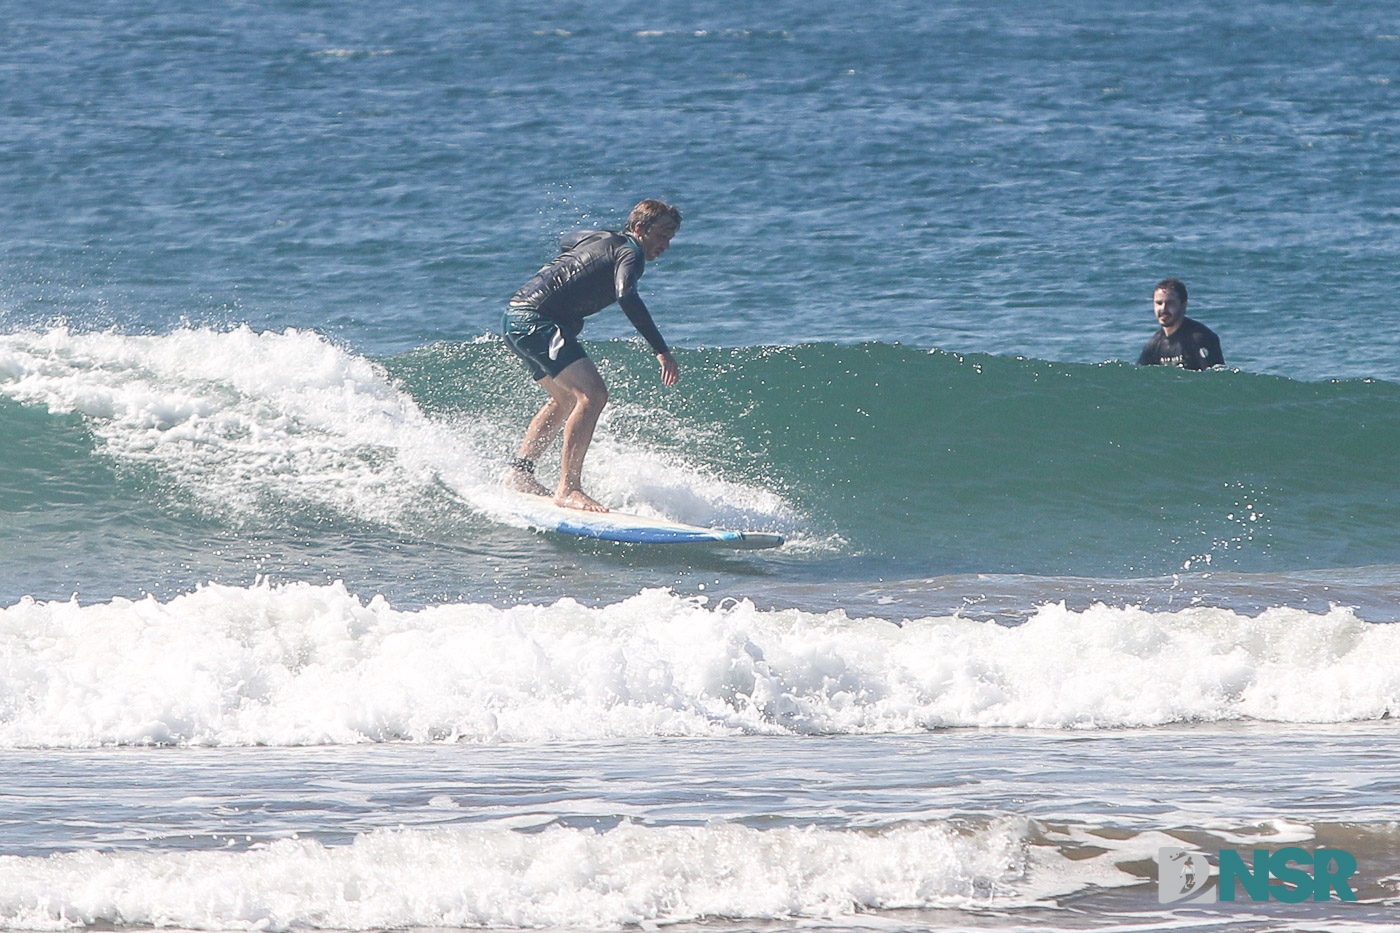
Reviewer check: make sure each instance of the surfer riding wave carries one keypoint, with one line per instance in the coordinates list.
(594, 269)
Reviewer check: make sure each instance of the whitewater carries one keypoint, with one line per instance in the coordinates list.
(306, 665)
(274, 657)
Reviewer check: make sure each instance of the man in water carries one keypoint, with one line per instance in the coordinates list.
(1180, 341)
(542, 323)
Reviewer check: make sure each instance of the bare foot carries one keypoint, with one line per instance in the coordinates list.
(521, 481)
(578, 499)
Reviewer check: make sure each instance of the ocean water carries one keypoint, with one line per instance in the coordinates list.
(272, 659)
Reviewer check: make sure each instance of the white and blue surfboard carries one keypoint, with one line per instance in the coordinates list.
(543, 514)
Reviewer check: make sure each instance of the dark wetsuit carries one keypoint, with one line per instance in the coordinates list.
(1192, 346)
(594, 269)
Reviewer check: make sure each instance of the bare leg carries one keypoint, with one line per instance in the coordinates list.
(581, 381)
(543, 427)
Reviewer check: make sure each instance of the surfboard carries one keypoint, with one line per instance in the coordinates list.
(543, 514)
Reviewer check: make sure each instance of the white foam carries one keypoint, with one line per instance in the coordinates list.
(303, 664)
(233, 417)
(557, 877)
(252, 424)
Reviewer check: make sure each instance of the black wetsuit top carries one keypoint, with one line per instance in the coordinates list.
(1193, 346)
(594, 269)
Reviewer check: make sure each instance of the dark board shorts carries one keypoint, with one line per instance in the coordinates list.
(546, 346)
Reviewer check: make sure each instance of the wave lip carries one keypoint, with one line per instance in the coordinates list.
(302, 665)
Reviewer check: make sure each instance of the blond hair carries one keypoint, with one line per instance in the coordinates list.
(649, 212)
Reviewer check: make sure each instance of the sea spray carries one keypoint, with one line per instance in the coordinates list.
(274, 428)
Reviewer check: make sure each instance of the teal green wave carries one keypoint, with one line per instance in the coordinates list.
(995, 464)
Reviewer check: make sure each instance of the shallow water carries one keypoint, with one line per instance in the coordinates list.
(1048, 830)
